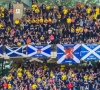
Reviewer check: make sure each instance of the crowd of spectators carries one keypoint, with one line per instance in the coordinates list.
(51, 25)
(42, 77)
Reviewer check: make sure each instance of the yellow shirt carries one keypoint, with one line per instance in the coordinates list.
(33, 21)
(2, 9)
(51, 74)
(94, 16)
(77, 30)
(73, 75)
(17, 22)
(25, 70)
(37, 10)
(19, 74)
(49, 20)
(19, 44)
(19, 69)
(45, 67)
(85, 77)
(62, 67)
(45, 21)
(97, 11)
(90, 77)
(1, 25)
(2, 15)
(68, 20)
(80, 29)
(8, 28)
(9, 86)
(29, 75)
(8, 78)
(48, 7)
(65, 11)
(28, 21)
(37, 21)
(44, 83)
(63, 77)
(88, 10)
(34, 6)
(41, 20)
(34, 86)
(38, 79)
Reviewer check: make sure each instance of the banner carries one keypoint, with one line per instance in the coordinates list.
(14, 51)
(1, 51)
(69, 53)
(39, 51)
(90, 52)
(17, 11)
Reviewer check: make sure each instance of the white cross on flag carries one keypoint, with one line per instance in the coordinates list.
(14, 51)
(69, 53)
(90, 52)
(39, 51)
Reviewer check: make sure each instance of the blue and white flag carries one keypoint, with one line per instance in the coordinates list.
(14, 51)
(24, 50)
(90, 52)
(69, 53)
(1, 51)
(39, 51)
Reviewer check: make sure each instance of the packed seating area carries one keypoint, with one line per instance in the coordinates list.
(51, 25)
(42, 77)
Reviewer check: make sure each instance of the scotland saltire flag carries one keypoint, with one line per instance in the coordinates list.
(69, 53)
(90, 52)
(39, 51)
(24, 50)
(1, 51)
(14, 51)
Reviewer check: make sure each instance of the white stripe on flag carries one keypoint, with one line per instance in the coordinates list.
(32, 47)
(46, 47)
(61, 47)
(90, 51)
(61, 59)
(76, 47)
(14, 51)
(76, 59)
(46, 54)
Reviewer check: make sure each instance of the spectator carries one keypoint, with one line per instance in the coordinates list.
(46, 78)
(73, 25)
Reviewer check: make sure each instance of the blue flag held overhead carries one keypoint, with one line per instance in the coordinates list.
(90, 52)
(1, 51)
(14, 51)
(39, 51)
(69, 53)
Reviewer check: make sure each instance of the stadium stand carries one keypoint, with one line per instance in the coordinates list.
(51, 25)
(39, 26)
(42, 77)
